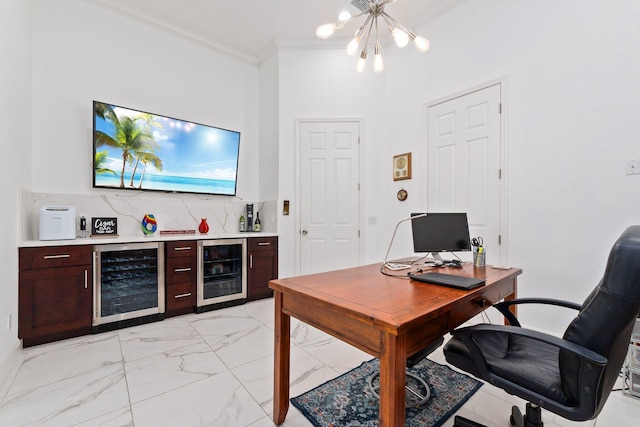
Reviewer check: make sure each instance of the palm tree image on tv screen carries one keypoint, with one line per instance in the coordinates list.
(142, 151)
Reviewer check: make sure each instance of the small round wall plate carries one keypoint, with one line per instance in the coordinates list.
(402, 195)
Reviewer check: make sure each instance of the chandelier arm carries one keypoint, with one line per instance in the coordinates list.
(390, 21)
(341, 23)
(364, 24)
(402, 27)
(377, 42)
(386, 16)
(366, 42)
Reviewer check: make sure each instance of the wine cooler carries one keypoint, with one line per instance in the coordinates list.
(222, 273)
(128, 285)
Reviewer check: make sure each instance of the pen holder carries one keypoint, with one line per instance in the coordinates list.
(479, 256)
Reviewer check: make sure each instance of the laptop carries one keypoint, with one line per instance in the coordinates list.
(450, 280)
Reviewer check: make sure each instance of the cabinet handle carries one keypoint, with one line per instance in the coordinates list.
(181, 270)
(251, 261)
(264, 243)
(85, 279)
(56, 256)
(183, 295)
(183, 248)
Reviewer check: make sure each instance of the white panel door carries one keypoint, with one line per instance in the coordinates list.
(329, 202)
(464, 158)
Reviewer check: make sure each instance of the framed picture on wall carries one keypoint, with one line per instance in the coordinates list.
(402, 166)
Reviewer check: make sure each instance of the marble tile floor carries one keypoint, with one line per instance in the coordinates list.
(208, 369)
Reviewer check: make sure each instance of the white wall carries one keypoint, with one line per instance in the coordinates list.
(268, 161)
(15, 136)
(573, 71)
(324, 84)
(83, 52)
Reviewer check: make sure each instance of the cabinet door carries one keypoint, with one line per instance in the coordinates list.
(54, 303)
(263, 266)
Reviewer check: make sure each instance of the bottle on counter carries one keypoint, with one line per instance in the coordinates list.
(242, 224)
(257, 226)
(83, 226)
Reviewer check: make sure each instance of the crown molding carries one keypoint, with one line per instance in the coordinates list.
(173, 29)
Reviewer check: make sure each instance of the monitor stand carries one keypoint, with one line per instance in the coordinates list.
(435, 259)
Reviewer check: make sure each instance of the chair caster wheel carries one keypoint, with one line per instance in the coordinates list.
(512, 420)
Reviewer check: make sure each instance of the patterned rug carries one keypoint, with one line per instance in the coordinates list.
(348, 400)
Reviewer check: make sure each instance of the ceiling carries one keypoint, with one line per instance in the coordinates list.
(250, 29)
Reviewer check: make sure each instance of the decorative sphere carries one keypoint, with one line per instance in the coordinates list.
(149, 224)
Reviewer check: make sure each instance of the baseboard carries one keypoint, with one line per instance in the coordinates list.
(9, 366)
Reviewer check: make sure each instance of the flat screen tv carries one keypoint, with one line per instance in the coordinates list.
(136, 150)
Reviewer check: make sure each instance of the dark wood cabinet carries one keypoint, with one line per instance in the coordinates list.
(54, 293)
(55, 289)
(181, 277)
(262, 266)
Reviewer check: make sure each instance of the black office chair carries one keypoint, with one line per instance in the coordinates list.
(417, 390)
(571, 376)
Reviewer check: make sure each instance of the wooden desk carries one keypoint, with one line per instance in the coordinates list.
(387, 317)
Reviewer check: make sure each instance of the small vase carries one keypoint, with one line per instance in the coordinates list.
(204, 227)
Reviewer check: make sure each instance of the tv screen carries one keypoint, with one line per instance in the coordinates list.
(440, 232)
(137, 150)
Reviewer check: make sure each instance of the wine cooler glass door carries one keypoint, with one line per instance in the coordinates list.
(221, 271)
(129, 282)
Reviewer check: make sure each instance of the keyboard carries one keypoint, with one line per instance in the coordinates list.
(450, 280)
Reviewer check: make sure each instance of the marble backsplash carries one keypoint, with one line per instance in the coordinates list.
(172, 211)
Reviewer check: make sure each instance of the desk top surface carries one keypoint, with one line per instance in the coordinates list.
(367, 293)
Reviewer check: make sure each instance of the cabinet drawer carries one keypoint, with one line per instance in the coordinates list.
(262, 244)
(181, 269)
(181, 248)
(54, 256)
(180, 295)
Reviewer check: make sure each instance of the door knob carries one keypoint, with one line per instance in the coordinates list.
(305, 232)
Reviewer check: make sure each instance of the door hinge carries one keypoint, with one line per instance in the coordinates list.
(499, 239)
(358, 233)
(499, 173)
(500, 108)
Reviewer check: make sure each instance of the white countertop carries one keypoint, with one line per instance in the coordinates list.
(156, 237)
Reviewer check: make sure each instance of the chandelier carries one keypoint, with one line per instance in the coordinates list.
(373, 9)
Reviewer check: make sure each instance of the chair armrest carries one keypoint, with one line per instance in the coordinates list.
(503, 307)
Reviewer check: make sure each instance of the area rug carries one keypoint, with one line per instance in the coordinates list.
(348, 401)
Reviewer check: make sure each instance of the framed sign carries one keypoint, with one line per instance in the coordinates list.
(107, 227)
(402, 166)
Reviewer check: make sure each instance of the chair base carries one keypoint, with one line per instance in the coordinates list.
(532, 418)
(417, 390)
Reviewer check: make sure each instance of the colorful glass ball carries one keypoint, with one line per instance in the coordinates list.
(149, 224)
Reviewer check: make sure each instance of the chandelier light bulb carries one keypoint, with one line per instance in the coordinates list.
(378, 63)
(362, 61)
(401, 37)
(325, 31)
(344, 16)
(352, 47)
(421, 43)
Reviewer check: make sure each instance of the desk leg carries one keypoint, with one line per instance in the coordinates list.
(514, 295)
(392, 381)
(281, 362)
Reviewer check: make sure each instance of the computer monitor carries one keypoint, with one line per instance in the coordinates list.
(440, 232)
